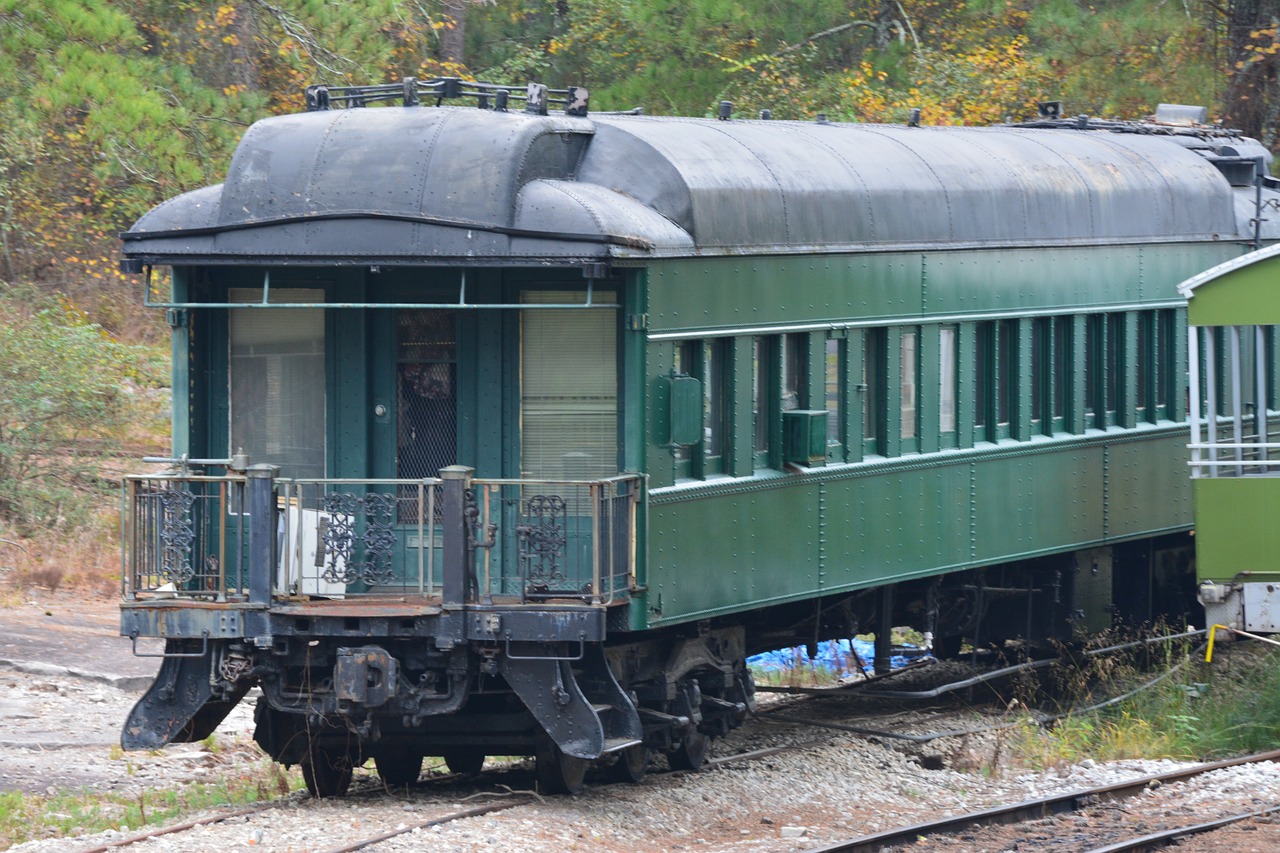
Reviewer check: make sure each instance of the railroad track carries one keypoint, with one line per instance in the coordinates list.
(438, 817)
(436, 800)
(1031, 810)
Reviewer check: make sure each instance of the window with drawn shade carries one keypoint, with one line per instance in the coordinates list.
(909, 383)
(568, 389)
(948, 377)
(277, 381)
(1039, 372)
(713, 402)
(833, 388)
(762, 418)
(686, 364)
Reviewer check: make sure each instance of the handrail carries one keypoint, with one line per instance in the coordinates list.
(201, 536)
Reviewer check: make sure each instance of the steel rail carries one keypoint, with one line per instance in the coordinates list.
(184, 827)
(475, 811)
(1157, 840)
(521, 800)
(1030, 809)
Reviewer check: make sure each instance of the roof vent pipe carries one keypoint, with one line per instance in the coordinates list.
(765, 115)
(726, 110)
(914, 121)
(536, 100)
(822, 119)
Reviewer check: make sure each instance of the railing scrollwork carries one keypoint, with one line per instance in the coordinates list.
(346, 540)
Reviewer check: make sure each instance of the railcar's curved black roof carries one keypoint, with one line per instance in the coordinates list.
(462, 185)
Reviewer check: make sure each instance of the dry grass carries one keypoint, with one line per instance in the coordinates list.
(86, 560)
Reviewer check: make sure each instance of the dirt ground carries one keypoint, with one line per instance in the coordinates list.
(67, 683)
(70, 630)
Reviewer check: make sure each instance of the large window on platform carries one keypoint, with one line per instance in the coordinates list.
(568, 388)
(276, 381)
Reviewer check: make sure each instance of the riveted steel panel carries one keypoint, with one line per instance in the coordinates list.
(742, 544)
(1029, 502)
(721, 551)
(1147, 486)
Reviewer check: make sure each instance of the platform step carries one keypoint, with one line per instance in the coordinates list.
(614, 744)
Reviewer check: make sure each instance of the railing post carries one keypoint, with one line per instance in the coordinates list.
(262, 531)
(455, 553)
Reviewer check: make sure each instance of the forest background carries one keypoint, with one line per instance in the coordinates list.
(108, 107)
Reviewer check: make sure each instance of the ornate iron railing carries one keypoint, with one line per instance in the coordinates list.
(176, 535)
(503, 540)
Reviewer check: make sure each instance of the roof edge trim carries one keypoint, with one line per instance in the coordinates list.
(213, 230)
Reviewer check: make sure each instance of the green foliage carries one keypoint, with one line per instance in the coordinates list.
(65, 814)
(1230, 707)
(65, 388)
(1123, 57)
(111, 106)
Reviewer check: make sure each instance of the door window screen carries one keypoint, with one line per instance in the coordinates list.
(426, 395)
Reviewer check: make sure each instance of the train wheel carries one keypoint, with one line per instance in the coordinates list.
(327, 774)
(464, 761)
(558, 773)
(691, 752)
(398, 769)
(631, 764)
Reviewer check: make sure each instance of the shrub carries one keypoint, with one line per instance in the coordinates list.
(66, 390)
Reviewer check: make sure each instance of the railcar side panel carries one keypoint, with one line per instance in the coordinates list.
(915, 518)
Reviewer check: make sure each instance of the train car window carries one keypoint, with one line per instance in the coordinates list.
(1006, 371)
(1093, 367)
(1144, 367)
(794, 372)
(1165, 368)
(686, 362)
(1269, 377)
(1040, 377)
(984, 379)
(948, 379)
(873, 391)
(1061, 374)
(714, 363)
(568, 389)
(1114, 370)
(909, 385)
(426, 392)
(834, 369)
(277, 382)
(762, 373)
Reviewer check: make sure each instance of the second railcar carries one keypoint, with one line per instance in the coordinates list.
(503, 432)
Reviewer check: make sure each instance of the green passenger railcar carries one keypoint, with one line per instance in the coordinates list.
(505, 432)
